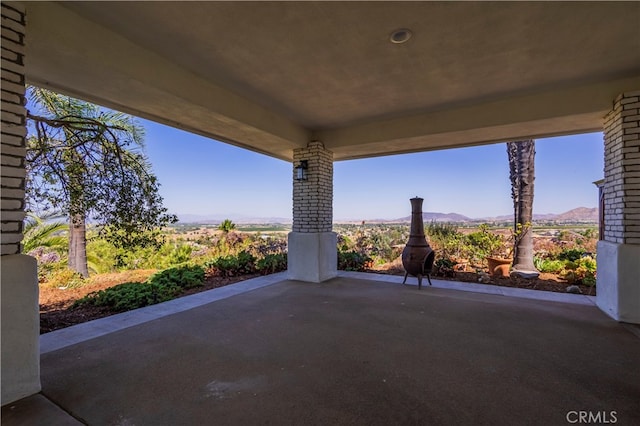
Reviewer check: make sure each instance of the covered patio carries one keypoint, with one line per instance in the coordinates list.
(356, 349)
(312, 83)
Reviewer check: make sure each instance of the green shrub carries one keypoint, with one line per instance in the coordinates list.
(589, 279)
(590, 233)
(445, 262)
(353, 261)
(160, 287)
(443, 267)
(128, 296)
(571, 254)
(105, 257)
(581, 271)
(272, 263)
(345, 243)
(445, 239)
(170, 254)
(589, 263)
(441, 231)
(548, 266)
(181, 276)
(230, 244)
(382, 243)
(264, 245)
(482, 243)
(232, 265)
(101, 254)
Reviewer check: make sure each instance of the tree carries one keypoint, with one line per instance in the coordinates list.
(226, 226)
(522, 174)
(40, 232)
(87, 161)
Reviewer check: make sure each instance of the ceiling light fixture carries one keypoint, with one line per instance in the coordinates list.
(400, 36)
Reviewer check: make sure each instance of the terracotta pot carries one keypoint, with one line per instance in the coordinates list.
(499, 267)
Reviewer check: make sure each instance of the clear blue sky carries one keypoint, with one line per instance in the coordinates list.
(206, 177)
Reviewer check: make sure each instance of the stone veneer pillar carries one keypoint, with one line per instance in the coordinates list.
(312, 246)
(618, 277)
(19, 283)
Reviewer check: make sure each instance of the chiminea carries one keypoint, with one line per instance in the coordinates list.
(417, 256)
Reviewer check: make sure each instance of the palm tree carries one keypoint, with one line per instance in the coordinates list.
(522, 174)
(40, 232)
(226, 226)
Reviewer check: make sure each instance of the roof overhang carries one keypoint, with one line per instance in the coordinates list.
(270, 76)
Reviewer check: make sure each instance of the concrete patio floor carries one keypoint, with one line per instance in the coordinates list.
(360, 349)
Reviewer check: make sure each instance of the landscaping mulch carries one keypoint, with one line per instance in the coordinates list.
(55, 303)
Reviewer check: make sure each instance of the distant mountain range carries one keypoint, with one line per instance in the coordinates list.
(580, 214)
(239, 219)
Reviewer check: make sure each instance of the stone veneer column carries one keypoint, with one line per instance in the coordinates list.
(618, 277)
(312, 247)
(19, 284)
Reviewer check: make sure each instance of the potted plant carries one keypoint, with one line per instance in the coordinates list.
(501, 257)
(500, 260)
(498, 266)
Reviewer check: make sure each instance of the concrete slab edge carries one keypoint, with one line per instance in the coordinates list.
(62, 338)
(579, 299)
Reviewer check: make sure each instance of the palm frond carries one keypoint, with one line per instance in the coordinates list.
(38, 233)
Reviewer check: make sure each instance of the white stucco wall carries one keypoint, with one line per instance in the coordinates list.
(618, 281)
(20, 327)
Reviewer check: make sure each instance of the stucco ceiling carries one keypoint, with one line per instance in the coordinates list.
(270, 76)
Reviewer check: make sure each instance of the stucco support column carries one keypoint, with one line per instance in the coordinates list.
(312, 246)
(19, 278)
(618, 276)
